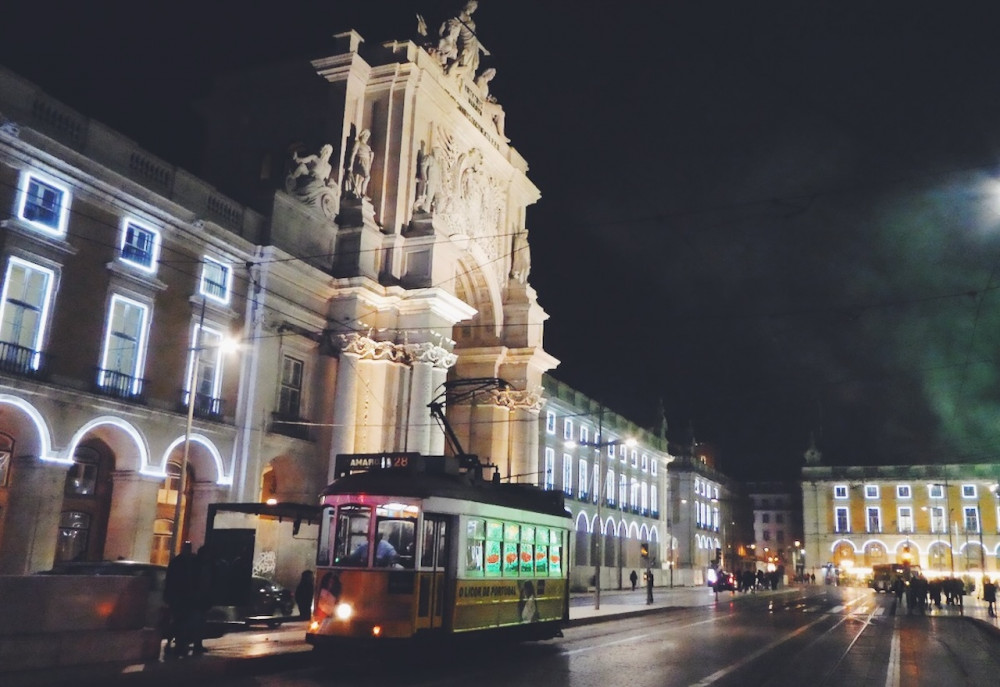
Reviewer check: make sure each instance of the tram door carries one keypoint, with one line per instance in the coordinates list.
(431, 578)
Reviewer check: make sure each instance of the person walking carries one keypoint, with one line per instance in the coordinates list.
(634, 579)
(990, 596)
(180, 591)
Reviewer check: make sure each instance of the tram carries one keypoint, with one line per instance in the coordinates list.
(417, 546)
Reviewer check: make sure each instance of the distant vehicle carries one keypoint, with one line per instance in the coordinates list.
(724, 580)
(884, 575)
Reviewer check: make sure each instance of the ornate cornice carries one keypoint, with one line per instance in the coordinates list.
(431, 353)
(368, 349)
(515, 399)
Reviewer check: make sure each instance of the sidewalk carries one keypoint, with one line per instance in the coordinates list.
(263, 651)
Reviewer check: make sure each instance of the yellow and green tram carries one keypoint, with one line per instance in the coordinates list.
(422, 546)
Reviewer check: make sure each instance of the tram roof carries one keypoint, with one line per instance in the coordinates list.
(403, 482)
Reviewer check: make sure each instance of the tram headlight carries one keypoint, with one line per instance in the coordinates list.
(343, 611)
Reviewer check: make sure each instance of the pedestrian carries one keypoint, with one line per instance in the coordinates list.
(990, 596)
(304, 594)
(180, 592)
(634, 579)
(203, 598)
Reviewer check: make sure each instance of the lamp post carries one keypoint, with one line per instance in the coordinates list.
(192, 380)
(601, 478)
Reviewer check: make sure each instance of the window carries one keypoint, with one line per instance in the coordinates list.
(595, 489)
(840, 491)
(903, 491)
(207, 356)
(27, 290)
(654, 500)
(779, 517)
(290, 394)
(633, 498)
(623, 452)
(781, 536)
(124, 347)
(550, 468)
(584, 475)
(765, 517)
(841, 521)
(43, 204)
(652, 467)
(81, 478)
(971, 519)
(635, 458)
(935, 491)
(609, 487)
(968, 491)
(644, 488)
(567, 475)
(584, 434)
(216, 280)
(874, 519)
(905, 519)
(611, 450)
(871, 491)
(645, 463)
(140, 246)
(550, 422)
(937, 520)
(568, 430)
(74, 532)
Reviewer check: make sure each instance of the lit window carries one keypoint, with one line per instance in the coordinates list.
(622, 452)
(550, 467)
(568, 430)
(935, 491)
(622, 490)
(871, 491)
(652, 467)
(550, 422)
(43, 204)
(611, 450)
(216, 280)
(584, 475)
(609, 487)
(207, 355)
(937, 520)
(567, 463)
(124, 347)
(903, 491)
(654, 503)
(968, 491)
(874, 519)
(645, 496)
(840, 491)
(645, 462)
(905, 519)
(24, 307)
(635, 459)
(140, 246)
(290, 394)
(584, 434)
(971, 519)
(842, 522)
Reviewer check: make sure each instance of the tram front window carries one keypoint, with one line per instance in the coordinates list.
(351, 544)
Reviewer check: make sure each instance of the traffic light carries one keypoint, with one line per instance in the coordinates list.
(644, 550)
(718, 555)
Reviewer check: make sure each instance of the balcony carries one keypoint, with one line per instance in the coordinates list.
(205, 407)
(119, 385)
(23, 362)
(290, 426)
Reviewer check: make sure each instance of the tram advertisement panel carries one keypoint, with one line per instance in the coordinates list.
(501, 602)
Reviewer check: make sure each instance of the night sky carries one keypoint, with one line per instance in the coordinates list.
(776, 219)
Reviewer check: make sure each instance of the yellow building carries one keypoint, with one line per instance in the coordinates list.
(943, 518)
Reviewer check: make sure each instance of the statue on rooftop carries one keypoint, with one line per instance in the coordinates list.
(491, 108)
(459, 47)
(311, 181)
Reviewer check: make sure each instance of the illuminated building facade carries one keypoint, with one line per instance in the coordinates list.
(941, 517)
(777, 525)
(614, 477)
(378, 247)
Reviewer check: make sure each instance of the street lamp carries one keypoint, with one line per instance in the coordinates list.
(192, 379)
(601, 478)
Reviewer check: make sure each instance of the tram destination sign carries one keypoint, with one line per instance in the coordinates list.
(353, 463)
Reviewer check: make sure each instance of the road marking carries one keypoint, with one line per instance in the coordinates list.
(892, 672)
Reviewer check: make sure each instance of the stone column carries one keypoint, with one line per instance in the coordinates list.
(439, 375)
(524, 407)
(133, 511)
(419, 430)
(32, 521)
(345, 408)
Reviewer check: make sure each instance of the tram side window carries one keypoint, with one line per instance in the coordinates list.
(325, 534)
(351, 544)
(475, 539)
(511, 541)
(527, 550)
(541, 551)
(555, 553)
(494, 546)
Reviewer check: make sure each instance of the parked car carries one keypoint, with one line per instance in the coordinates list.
(267, 603)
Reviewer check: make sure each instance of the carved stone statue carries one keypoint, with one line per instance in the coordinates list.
(490, 106)
(520, 257)
(359, 165)
(311, 181)
(430, 186)
(459, 46)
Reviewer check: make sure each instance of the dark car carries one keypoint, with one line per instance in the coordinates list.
(723, 580)
(265, 603)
